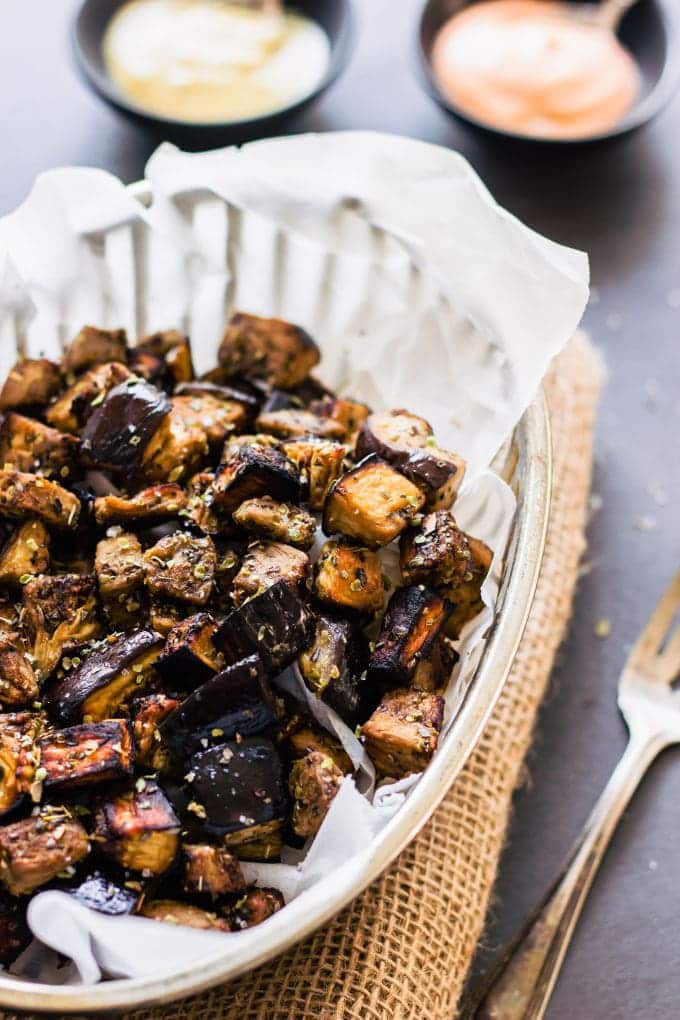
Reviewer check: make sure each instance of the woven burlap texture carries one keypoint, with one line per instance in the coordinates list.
(401, 951)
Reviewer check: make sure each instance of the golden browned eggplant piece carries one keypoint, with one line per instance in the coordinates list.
(280, 522)
(292, 423)
(120, 576)
(176, 448)
(182, 567)
(320, 463)
(147, 715)
(189, 656)
(407, 442)
(402, 734)
(184, 914)
(30, 384)
(218, 419)
(254, 907)
(349, 577)
(25, 553)
(86, 754)
(372, 503)
(60, 613)
(148, 506)
(28, 445)
(252, 470)
(72, 409)
(436, 553)
(211, 871)
(37, 849)
(413, 619)
(258, 842)
(19, 732)
(466, 594)
(27, 495)
(138, 829)
(275, 625)
(175, 350)
(92, 346)
(301, 736)
(122, 427)
(18, 683)
(278, 352)
(106, 679)
(433, 670)
(313, 783)
(165, 614)
(333, 665)
(267, 563)
(348, 413)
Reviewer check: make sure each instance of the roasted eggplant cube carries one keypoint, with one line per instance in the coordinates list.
(412, 621)
(372, 503)
(138, 829)
(218, 419)
(106, 679)
(247, 396)
(333, 665)
(466, 595)
(268, 563)
(28, 445)
(27, 495)
(436, 553)
(174, 348)
(30, 384)
(252, 470)
(236, 785)
(257, 842)
(99, 892)
(236, 702)
(348, 413)
(302, 736)
(15, 935)
(120, 576)
(313, 783)
(181, 567)
(402, 734)
(147, 715)
(349, 577)
(85, 755)
(19, 732)
(148, 506)
(433, 671)
(25, 554)
(60, 613)
(184, 914)
(165, 614)
(292, 423)
(279, 522)
(211, 871)
(278, 352)
(176, 449)
(72, 409)
(122, 426)
(438, 474)
(37, 849)
(320, 463)
(92, 346)
(189, 656)
(18, 682)
(275, 625)
(256, 906)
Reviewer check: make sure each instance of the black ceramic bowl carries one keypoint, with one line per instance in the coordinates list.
(650, 31)
(89, 26)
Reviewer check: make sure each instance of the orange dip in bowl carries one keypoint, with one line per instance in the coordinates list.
(531, 68)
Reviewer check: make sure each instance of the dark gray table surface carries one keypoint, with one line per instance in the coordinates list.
(621, 204)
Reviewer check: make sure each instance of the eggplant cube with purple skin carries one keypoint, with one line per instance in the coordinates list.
(371, 503)
(415, 615)
(238, 701)
(237, 787)
(313, 782)
(252, 470)
(435, 553)
(122, 426)
(402, 734)
(254, 907)
(466, 593)
(147, 715)
(76, 405)
(211, 871)
(333, 666)
(138, 829)
(86, 754)
(320, 463)
(276, 351)
(189, 656)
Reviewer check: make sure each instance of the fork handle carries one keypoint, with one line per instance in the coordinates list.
(520, 986)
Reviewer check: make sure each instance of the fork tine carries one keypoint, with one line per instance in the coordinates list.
(651, 638)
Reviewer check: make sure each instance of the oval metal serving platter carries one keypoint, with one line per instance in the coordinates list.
(526, 465)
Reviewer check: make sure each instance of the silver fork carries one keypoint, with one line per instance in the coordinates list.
(520, 985)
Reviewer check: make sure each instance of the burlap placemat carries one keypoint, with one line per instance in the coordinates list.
(401, 951)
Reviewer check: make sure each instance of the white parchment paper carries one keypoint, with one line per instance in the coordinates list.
(421, 292)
